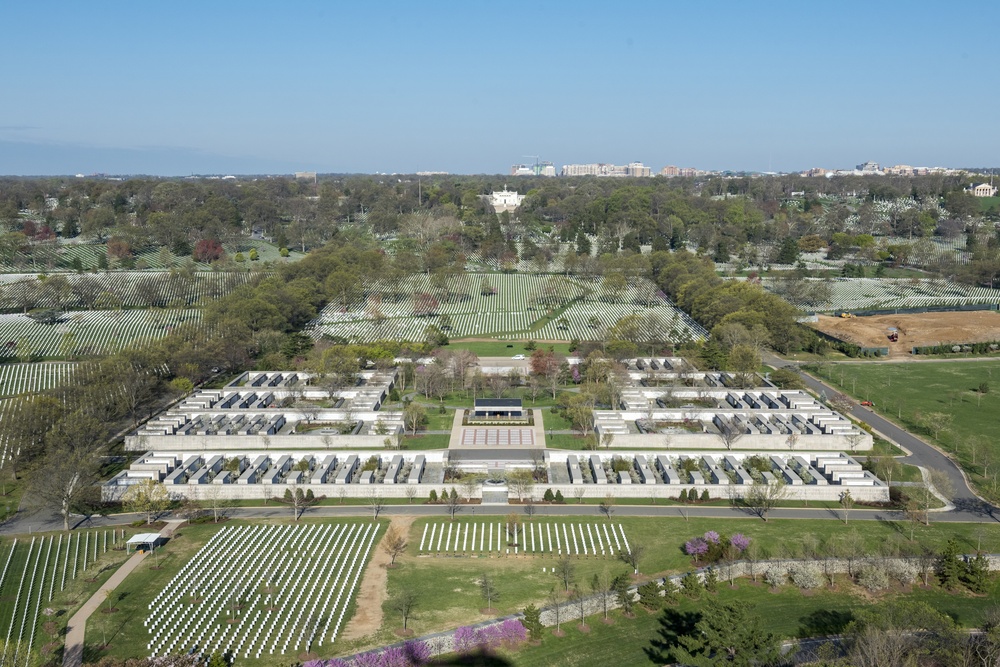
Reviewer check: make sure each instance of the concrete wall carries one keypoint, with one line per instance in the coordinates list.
(237, 443)
(746, 441)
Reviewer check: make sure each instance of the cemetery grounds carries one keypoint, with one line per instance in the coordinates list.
(447, 583)
(519, 309)
(940, 400)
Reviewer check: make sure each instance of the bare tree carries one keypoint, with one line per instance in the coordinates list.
(217, 502)
(453, 503)
(376, 502)
(394, 543)
(632, 555)
(847, 502)
(555, 604)
(761, 498)
(566, 572)
(488, 589)
(529, 509)
(578, 599)
(411, 493)
(729, 432)
(607, 506)
(404, 602)
(602, 586)
(579, 492)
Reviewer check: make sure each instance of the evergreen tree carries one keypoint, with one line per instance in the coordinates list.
(620, 585)
(950, 568)
(532, 622)
(728, 633)
(711, 580)
(977, 574)
(649, 596)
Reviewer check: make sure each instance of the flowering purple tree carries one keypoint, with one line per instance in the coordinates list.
(417, 652)
(465, 640)
(696, 547)
(512, 632)
(372, 659)
(740, 542)
(712, 537)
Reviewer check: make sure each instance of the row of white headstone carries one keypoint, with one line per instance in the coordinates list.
(601, 539)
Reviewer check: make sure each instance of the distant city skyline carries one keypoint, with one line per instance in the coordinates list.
(254, 87)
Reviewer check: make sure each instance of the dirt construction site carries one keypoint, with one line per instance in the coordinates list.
(914, 329)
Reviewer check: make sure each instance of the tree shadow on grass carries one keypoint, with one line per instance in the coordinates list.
(824, 622)
(673, 624)
(479, 659)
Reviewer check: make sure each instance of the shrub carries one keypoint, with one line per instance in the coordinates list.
(873, 577)
(806, 575)
(903, 571)
(283, 252)
(683, 497)
(559, 497)
(649, 596)
(704, 495)
(691, 585)
(254, 256)
(775, 576)
(711, 580)
(670, 590)
(434, 496)
(548, 497)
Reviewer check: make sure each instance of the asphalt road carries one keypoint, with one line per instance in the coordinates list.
(27, 523)
(921, 453)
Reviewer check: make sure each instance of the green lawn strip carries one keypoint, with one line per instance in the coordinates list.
(503, 348)
(543, 399)
(909, 392)
(422, 442)
(127, 636)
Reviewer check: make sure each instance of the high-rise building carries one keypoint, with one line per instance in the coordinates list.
(633, 169)
(537, 169)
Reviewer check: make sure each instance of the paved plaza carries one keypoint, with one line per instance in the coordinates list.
(497, 437)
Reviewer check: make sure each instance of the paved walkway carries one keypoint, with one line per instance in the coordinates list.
(77, 626)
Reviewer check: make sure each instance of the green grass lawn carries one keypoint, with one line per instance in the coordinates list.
(638, 641)
(504, 348)
(937, 400)
(449, 593)
(420, 442)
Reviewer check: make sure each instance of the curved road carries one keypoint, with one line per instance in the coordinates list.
(920, 453)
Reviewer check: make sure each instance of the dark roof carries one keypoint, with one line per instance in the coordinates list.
(498, 402)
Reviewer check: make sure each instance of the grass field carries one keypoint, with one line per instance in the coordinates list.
(938, 400)
(637, 641)
(486, 348)
(449, 593)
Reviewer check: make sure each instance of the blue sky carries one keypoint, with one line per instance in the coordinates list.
(184, 87)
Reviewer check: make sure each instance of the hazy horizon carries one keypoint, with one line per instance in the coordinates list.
(256, 88)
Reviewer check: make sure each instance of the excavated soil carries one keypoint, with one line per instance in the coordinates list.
(915, 330)
(368, 618)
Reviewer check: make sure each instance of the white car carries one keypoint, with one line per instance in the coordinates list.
(518, 357)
